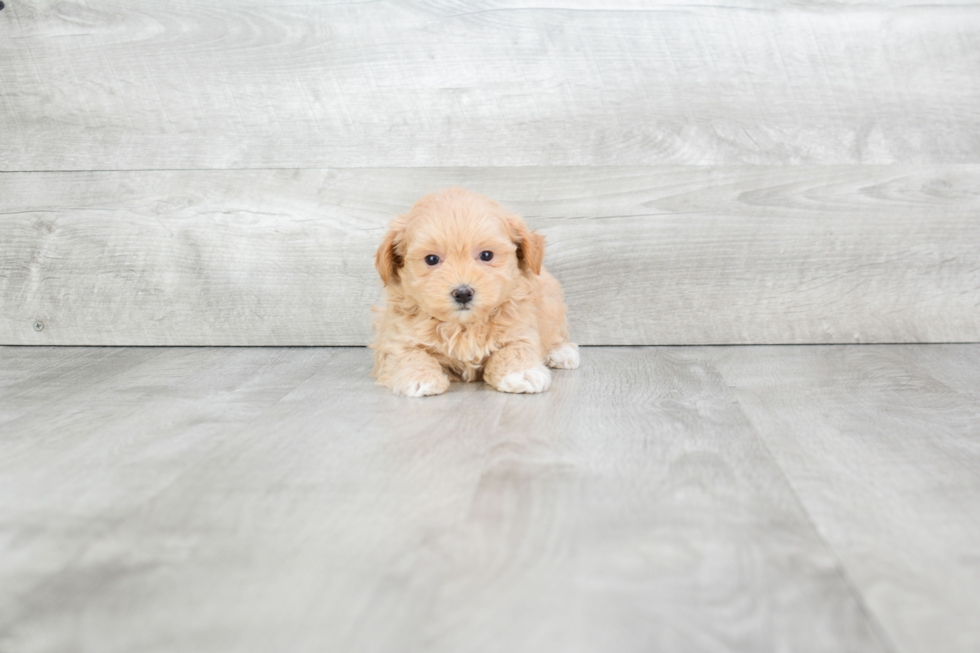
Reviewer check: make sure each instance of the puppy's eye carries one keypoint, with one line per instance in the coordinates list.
(431, 259)
(486, 256)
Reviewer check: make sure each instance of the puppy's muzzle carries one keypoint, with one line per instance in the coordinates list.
(463, 294)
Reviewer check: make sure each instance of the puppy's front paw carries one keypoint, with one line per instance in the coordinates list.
(422, 385)
(564, 358)
(536, 379)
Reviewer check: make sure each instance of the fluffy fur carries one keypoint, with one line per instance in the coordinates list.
(512, 330)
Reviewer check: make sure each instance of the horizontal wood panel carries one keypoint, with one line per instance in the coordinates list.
(122, 85)
(647, 255)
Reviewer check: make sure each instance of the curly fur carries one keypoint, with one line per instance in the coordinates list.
(514, 325)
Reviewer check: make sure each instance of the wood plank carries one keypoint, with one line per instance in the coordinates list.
(882, 446)
(92, 458)
(35, 378)
(647, 255)
(109, 85)
(223, 499)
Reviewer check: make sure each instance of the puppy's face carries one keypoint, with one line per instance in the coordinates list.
(458, 255)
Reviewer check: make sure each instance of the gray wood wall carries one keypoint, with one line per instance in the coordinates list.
(716, 172)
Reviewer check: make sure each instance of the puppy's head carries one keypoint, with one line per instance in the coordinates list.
(458, 255)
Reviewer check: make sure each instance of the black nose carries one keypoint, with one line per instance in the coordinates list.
(463, 294)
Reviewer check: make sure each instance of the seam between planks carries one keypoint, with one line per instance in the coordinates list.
(879, 631)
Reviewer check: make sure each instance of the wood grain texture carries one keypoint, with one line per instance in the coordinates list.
(275, 499)
(34, 379)
(647, 255)
(882, 446)
(122, 85)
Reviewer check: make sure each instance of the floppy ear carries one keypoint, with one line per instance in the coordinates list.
(530, 244)
(387, 260)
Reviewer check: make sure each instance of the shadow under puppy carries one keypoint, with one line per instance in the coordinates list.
(467, 298)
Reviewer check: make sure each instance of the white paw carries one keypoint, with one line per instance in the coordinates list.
(423, 387)
(536, 379)
(565, 357)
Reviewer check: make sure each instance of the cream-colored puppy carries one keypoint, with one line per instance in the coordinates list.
(468, 298)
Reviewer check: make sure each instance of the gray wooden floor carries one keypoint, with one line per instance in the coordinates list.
(821, 498)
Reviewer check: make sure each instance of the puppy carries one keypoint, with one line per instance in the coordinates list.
(467, 298)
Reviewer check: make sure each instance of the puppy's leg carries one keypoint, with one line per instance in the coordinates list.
(415, 374)
(563, 357)
(517, 368)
